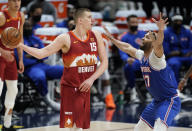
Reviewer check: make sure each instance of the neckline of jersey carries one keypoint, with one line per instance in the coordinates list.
(13, 18)
(80, 39)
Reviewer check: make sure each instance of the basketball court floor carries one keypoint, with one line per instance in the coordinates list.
(123, 118)
(102, 126)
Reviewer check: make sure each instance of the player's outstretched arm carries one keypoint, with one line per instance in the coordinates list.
(125, 47)
(158, 40)
(60, 42)
(86, 85)
(184, 80)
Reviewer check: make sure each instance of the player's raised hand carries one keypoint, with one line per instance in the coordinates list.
(161, 23)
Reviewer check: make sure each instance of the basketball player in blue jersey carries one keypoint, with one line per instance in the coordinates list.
(159, 80)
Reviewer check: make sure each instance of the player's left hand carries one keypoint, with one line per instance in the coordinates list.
(21, 67)
(86, 85)
(161, 23)
(181, 84)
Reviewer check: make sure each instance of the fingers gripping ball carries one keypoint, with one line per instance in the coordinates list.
(11, 37)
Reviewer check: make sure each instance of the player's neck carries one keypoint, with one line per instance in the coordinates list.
(12, 13)
(80, 33)
(147, 53)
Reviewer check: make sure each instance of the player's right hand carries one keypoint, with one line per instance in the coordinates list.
(8, 55)
(181, 84)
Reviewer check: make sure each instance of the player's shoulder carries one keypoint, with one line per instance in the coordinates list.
(2, 19)
(139, 54)
(96, 32)
(64, 37)
(22, 16)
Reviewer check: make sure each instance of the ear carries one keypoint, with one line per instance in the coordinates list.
(79, 20)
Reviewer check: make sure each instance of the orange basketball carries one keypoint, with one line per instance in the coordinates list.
(11, 37)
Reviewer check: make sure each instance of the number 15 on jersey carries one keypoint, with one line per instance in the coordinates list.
(93, 46)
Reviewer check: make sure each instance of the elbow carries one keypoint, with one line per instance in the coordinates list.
(39, 56)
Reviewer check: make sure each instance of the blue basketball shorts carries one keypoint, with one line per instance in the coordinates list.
(166, 110)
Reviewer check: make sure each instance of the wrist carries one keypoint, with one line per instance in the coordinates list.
(161, 30)
(20, 60)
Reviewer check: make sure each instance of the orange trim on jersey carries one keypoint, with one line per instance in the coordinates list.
(80, 39)
(13, 18)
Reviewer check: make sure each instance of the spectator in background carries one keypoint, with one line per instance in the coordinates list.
(34, 16)
(47, 7)
(134, 37)
(70, 12)
(36, 69)
(71, 24)
(178, 45)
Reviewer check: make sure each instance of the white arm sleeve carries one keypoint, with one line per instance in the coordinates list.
(156, 62)
(139, 54)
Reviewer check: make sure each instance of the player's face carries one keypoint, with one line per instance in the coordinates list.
(147, 40)
(14, 4)
(149, 37)
(87, 20)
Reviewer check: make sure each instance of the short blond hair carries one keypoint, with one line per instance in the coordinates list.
(79, 13)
